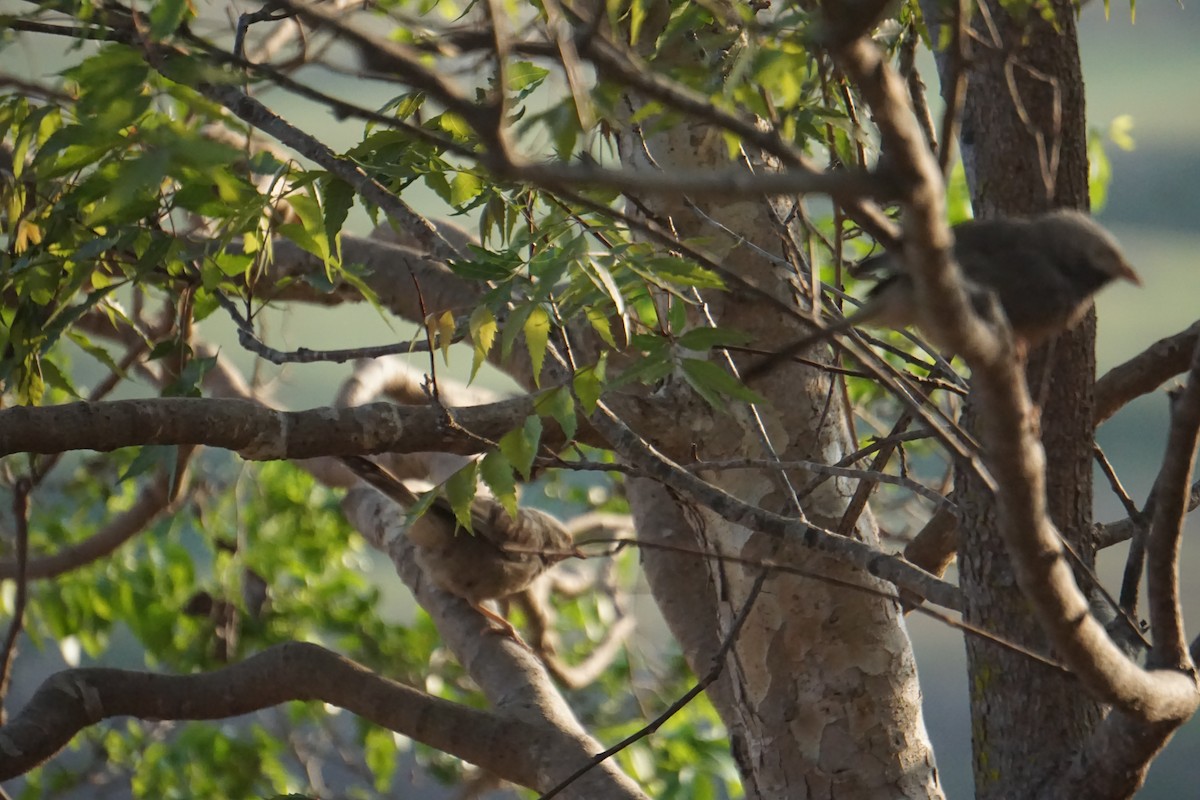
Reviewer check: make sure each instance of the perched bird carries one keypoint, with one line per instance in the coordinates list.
(1043, 270)
(500, 556)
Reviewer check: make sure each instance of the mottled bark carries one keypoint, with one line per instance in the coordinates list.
(820, 693)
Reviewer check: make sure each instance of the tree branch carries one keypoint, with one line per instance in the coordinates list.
(256, 432)
(153, 501)
(1145, 372)
(1015, 455)
(845, 549)
(73, 699)
(1170, 507)
(511, 677)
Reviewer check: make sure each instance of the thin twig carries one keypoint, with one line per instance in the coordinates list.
(775, 566)
(673, 709)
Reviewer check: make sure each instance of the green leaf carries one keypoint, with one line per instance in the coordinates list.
(589, 383)
(537, 335)
(512, 327)
(339, 199)
(464, 188)
(706, 338)
(604, 280)
(56, 379)
(166, 16)
(520, 445)
(524, 75)
(559, 406)
(460, 491)
(666, 272)
(599, 321)
(712, 383)
(148, 458)
(497, 472)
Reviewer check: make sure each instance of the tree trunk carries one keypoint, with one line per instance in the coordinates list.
(1024, 156)
(820, 694)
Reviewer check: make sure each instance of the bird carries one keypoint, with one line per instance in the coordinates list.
(1044, 270)
(499, 557)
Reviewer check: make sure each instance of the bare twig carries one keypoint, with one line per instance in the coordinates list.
(714, 672)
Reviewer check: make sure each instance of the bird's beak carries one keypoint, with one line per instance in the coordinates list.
(1127, 272)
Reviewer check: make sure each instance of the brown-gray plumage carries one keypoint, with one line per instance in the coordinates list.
(499, 557)
(1043, 270)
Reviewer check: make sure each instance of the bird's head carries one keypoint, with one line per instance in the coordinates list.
(1086, 249)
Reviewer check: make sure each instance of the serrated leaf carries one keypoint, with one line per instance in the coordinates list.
(604, 280)
(55, 378)
(441, 331)
(599, 321)
(706, 338)
(714, 383)
(497, 472)
(149, 457)
(520, 445)
(482, 326)
(559, 406)
(464, 188)
(339, 199)
(460, 492)
(512, 326)
(589, 383)
(537, 335)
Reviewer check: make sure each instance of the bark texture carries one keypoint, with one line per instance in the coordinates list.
(1024, 147)
(820, 692)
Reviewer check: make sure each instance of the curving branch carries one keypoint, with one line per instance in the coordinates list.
(1170, 508)
(1015, 456)
(1145, 372)
(73, 699)
(153, 501)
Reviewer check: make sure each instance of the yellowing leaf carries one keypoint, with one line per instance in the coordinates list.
(537, 334)
(27, 234)
(442, 328)
(482, 326)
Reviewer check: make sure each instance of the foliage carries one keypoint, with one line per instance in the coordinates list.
(141, 203)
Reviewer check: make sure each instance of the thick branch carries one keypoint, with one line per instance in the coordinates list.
(74, 699)
(256, 432)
